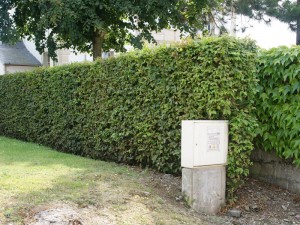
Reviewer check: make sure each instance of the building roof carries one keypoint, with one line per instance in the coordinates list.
(17, 55)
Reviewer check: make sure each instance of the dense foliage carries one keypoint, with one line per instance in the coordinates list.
(129, 109)
(278, 102)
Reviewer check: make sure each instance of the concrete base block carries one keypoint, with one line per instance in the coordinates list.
(204, 188)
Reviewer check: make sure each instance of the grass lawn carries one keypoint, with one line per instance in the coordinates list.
(35, 178)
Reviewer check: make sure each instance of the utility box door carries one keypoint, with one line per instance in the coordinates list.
(204, 143)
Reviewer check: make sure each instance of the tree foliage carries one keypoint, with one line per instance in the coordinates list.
(89, 25)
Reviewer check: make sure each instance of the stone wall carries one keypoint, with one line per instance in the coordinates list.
(270, 168)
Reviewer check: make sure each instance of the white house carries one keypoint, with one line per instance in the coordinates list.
(16, 58)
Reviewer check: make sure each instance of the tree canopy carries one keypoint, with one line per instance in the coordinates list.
(95, 25)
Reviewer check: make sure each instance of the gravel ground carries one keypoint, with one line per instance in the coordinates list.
(261, 203)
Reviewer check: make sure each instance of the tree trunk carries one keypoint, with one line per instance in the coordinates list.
(233, 21)
(97, 44)
(298, 27)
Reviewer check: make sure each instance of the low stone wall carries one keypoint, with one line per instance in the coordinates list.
(270, 168)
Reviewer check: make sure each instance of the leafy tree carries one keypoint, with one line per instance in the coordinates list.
(95, 25)
(7, 30)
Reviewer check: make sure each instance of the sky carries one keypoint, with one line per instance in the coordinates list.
(267, 36)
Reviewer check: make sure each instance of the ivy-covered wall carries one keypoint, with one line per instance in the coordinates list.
(278, 102)
(129, 109)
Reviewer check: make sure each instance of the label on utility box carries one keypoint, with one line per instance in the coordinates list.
(213, 139)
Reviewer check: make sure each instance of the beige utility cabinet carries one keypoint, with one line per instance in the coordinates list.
(204, 143)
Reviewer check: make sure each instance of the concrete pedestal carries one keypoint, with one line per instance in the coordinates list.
(204, 188)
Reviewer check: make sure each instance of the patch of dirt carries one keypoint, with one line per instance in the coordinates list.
(261, 203)
(67, 214)
(165, 185)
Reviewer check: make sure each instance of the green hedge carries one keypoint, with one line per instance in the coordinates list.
(129, 109)
(278, 102)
